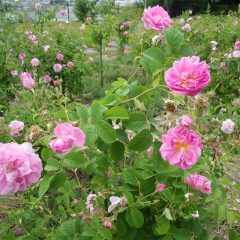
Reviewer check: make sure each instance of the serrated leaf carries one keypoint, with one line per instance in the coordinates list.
(116, 113)
(106, 132)
(83, 113)
(97, 111)
(74, 160)
(137, 218)
(117, 151)
(68, 229)
(137, 121)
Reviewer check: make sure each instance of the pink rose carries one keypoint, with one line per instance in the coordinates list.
(150, 151)
(187, 27)
(107, 224)
(68, 137)
(181, 21)
(237, 45)
(89, 203)
(60, 57)
(14, 73)
(47, 78)
(70, 64)
(46, 48)
(160, 187)
(57, 83)
(199, 182)
(156, 18)
(22, 56)
(16, 128)
(228, 126)
(35, 62)
(33, 39)
(236, 54)
(20, 167)
(181, 147)
(57, 68)
(186, 121)
(27, 81)
(188, 76)
(125, 33)
(38, 6)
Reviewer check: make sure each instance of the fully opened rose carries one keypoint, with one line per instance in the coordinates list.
(181, 147)
(188, 76)
(156, 18)
(20, 167)
(68, 137)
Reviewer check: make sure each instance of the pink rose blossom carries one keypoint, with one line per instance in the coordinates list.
(27, 81)
(68, 137)
(156, 18)
(20, 167)
(125, 33)
(14, 73)
(181, 147)
(57, 83)
(199, 182)
(188, 76)
(33, 39)
(38, 6)
(89, 203)
(150, 151)
(124, 25)
(237, 45)
(186, 121)
(46, 48)
(160, 187)
(236, 54)
(60, 57)
(70, 64)
(47, 78)
(63, 13)
(228, 126)
(115, 201)
(35, 62)
(181, 21)
(16, 128)
(107, 224)
(187, 27)
(57, 68)
(22, 56)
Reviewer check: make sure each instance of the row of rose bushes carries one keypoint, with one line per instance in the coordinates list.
(108, 171)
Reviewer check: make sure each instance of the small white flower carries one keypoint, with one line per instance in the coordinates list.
(155, 39)
(115, 201)
(195, 214)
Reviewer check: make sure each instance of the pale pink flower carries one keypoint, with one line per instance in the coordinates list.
(38, 6)
(46, 48)
(160, 187)
(186, 121)
(124, 25)
(237, 45)
(115, 201)
(57, 83)
(14, 73)
(107, 224)
(27, 81)
(187, 27)
(33, 39)
(20, 167)
(35, 62)
(156, 18)
(47, 78)
(91, 60)
(181, 21)
(63, 13)
(199, 182)
(236, 54)
(181, 147)
(70, 64)
(60, 57)
(22, 56)
(16, 127)
(228, 126)
(125, 33)
(68, 137)
(89, 203)
(188, 76)
(57, 68)
(150, 151)
(126, 51)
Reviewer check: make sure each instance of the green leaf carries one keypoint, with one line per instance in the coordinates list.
(97, 111)
(137, 218)
(44, 185)
(58, 180)
(83, 113)
(106, 234)
(52, 165)
(117, 151)
(137, 121)
(68, 229)
(46, 153)
(141, 142)
(163, 226)
(74, 160)
(116, 113)
(233, 235)
(105, 131)
(180, 234)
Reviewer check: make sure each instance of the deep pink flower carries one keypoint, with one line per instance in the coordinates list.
(107, 224)
(47, 78)
(199, 182)
(68, 137)
(35, 62)
(60, 57)
(16, 128)
(20, 167)
(27, 81)
(156, 18)
(237, 45)
(181, 147)
(57, 68)
(186, 121)
(160, 187)
(188, 76)
(70, 64)
(63, 13)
